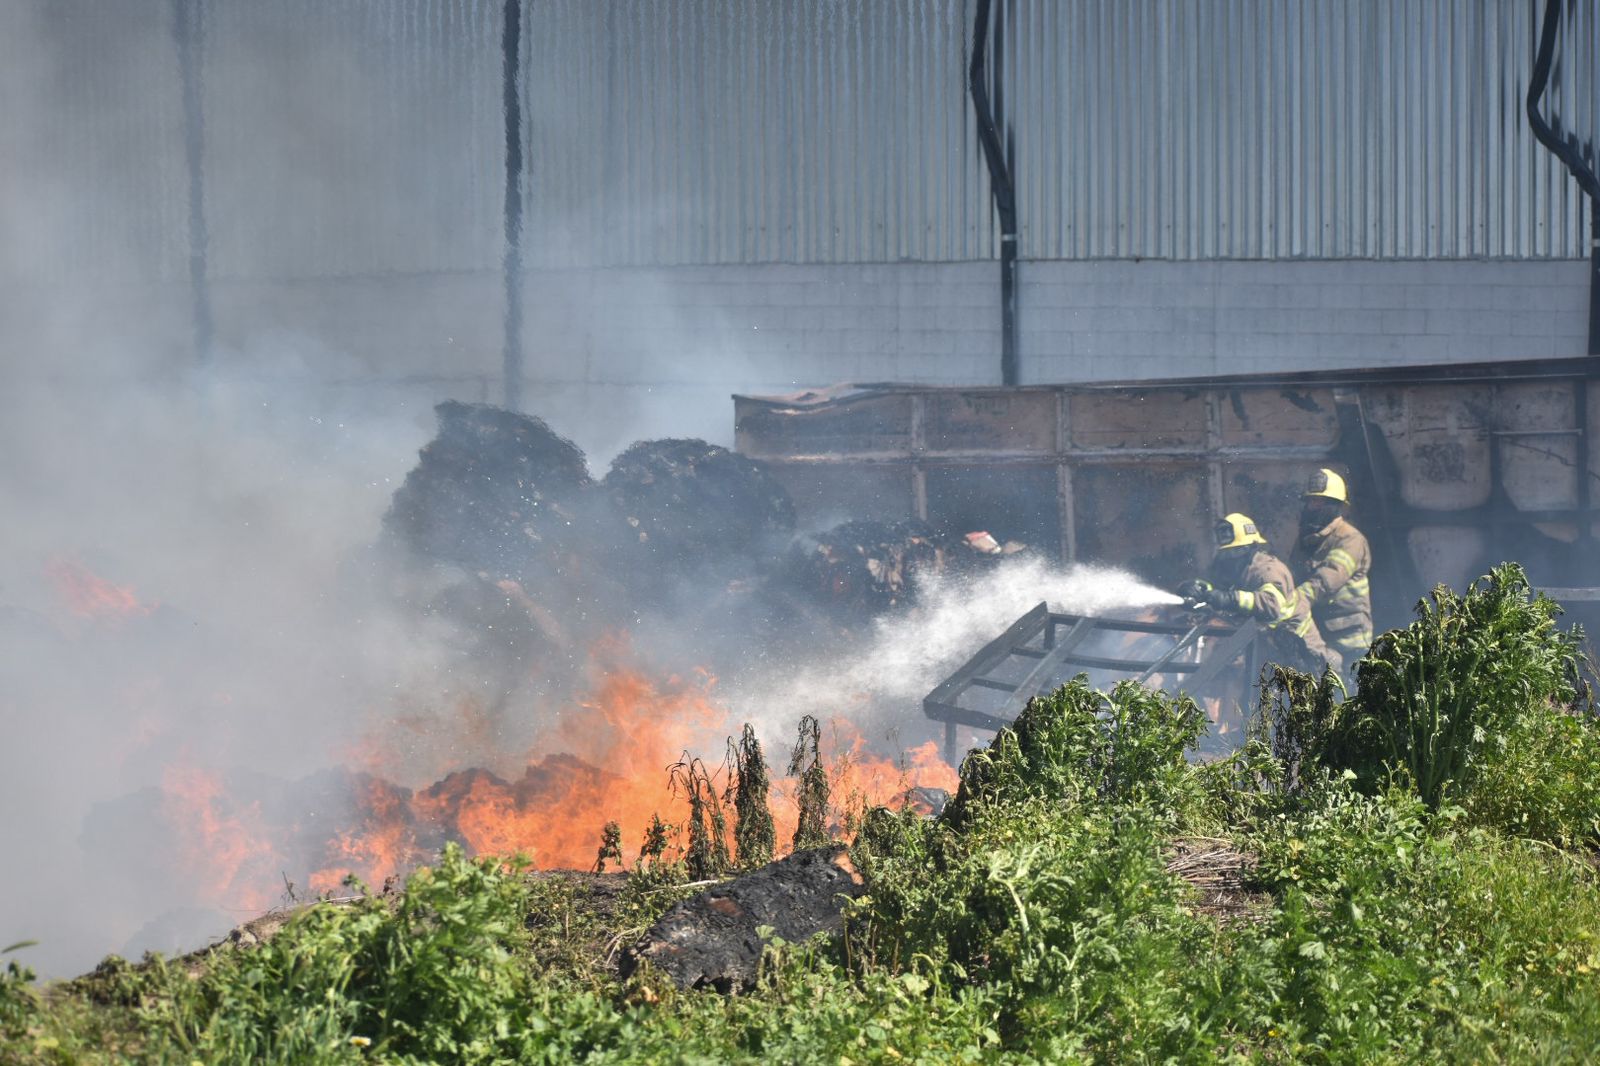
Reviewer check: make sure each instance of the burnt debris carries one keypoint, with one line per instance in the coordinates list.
(690, 499)
(532, 558)
(866, 568)
(687, 509)
(494, 491)
(715, 939)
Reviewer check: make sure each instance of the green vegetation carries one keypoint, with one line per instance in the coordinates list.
(707, 856)
(610, 847)
(1439, 697)
(754, 836)
(811, 830)
(1416, 881)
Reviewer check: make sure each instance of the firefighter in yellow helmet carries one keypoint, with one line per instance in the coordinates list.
(1332, 558)
(1246, 578)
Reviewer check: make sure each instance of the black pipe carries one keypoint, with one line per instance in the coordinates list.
(1567, 150)
(1004, 197)
(188, 34)
(511, 56)
(1594, 276)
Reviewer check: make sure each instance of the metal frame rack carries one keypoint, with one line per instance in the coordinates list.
(1051, 641)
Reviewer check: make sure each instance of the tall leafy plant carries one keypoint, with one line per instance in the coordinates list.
(707, 856)
(753, 835)
(1437, 698)
(811, 829)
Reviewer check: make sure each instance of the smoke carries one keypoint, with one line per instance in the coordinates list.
(184, 586)
(187, 582)
(188, 593)
(879, 683)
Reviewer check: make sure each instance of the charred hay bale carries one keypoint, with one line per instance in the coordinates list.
(711, 941)
(686, 503)
(493, 491)
(865, 567)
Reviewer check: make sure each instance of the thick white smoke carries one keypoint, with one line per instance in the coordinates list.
(183, 587)
(880, 684)
(231, 499)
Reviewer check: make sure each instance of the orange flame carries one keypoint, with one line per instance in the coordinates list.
(225, 851)
(380, 847)
(90, 596)
(616, 746)
(604, 759)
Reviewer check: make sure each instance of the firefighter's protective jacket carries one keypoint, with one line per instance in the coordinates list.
(1334, 562)
(1266, 591)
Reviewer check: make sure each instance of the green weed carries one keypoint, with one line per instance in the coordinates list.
(1433, 697)
(753, 835)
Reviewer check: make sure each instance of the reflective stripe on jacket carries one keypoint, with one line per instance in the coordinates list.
(1266, 591)
(1334, 562)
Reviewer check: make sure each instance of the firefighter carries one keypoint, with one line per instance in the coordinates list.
(1246, 578)
(1333, 558)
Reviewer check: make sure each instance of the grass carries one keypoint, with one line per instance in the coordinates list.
(1422, 887)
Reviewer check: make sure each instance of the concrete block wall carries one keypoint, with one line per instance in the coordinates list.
(618, 354)
(624, 340)
(1088, 321)
(1080, 321)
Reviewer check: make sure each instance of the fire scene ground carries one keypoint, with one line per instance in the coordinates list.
(1401, 867)
(1116, 665)
(1405, 874)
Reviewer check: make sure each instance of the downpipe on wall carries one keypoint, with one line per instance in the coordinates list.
(1567, 149)
(1004, 193)
(188, 34)
(511, 90)
(1571, 153)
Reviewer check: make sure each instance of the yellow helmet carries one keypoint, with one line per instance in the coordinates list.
(1237, 530)
(1327, 483)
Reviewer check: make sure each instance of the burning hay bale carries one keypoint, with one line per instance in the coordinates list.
(494, 491)
(687, 504)
(505, 509)
(712, 940)
(866, 568)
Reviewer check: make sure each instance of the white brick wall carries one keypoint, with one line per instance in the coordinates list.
(708, 331)
(1236, 317)
(613, 355)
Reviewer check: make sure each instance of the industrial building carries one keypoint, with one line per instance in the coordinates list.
(711, 197)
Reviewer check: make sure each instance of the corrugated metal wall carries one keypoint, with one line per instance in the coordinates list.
(1196, 129)
(363, 136)
(754, 131)
(357, 135)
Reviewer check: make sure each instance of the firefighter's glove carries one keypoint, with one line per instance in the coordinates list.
(1192, 591)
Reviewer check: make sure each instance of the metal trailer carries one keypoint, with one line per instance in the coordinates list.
(1043, 648)
(1452, 468)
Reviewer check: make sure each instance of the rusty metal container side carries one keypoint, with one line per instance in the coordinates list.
(859, 423)
(1154, 518)
(1452, 468)
(826, 494)
(1012, 422)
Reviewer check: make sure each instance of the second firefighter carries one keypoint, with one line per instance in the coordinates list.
(1246, 578)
